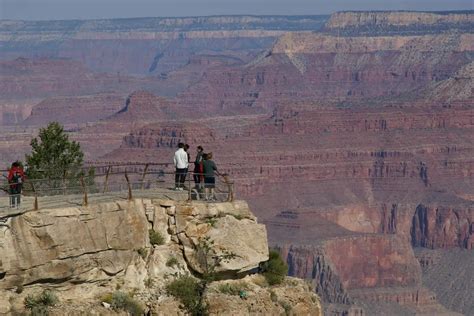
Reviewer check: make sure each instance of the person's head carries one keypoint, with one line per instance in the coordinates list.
(209, 156)
(16, 164)
(181, 145)
(186, 147)
(200, 149)
(204, 156)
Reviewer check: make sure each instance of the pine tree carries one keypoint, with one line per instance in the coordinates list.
(55, 158)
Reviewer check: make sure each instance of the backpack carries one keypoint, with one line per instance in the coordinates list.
(17, 178)
(16, 181)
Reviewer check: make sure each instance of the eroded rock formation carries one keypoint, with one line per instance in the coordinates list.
(84, 251)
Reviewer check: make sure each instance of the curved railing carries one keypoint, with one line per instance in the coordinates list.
(128, 178)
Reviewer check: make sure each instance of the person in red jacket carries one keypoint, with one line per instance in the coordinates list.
(16, 176)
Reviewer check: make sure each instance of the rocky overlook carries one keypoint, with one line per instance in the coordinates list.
(83, 253)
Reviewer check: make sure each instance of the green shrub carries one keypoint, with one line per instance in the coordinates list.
(143, 252)
(232, 289)
(189, 292)
(211, 222)
(275, 269)
(123, 301)
(172, 261)
(238, 216)
(38, 304)
(107, 298)
(156, 238)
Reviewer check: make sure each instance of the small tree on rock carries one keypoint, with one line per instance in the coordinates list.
(55, 158)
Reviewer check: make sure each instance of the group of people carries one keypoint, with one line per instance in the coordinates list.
(204, 174)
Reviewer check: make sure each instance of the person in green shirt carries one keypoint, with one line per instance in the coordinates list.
(210, 171)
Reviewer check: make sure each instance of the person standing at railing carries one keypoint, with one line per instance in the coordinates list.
(210, 170)
(198, 169)
(181, 164)
(16, 177)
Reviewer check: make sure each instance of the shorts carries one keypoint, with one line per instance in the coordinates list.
(210, 182)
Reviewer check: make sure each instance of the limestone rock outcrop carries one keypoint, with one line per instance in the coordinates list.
(94, 243)
(86, 252)
(72, 244)
(231, 228)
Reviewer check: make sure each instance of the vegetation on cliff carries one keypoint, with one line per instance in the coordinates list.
(56, 160)
(275, 269)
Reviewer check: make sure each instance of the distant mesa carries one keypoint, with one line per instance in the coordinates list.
(398, 22)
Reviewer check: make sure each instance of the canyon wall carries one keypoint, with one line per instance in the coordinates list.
(144, 45)
(342, 71)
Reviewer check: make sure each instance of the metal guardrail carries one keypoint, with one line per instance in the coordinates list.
(127, 177)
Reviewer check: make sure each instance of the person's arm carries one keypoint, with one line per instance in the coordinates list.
(184, 157)
(175, 160)
(10, 175)
(214, 166)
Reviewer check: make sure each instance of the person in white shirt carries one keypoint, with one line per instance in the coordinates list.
(181, 164)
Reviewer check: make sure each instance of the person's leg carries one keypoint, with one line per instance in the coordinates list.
(212, 185)
(206, 189)
(18, 200)
(13, 195)
(197, 185)
(183, 177)
(196, 180)
(176, 179)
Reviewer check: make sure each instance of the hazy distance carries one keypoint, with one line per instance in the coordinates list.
(97, 9)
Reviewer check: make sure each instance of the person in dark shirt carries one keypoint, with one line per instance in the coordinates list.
(198, 169)
(186, 149)
(210, 170)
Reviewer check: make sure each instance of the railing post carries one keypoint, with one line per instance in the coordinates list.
(35, 204)
(64, 182)
(84, 189)
(129, 187)
(143, 177)
(190, 198)
(106, 184)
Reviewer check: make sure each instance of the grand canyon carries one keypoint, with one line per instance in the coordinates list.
(351, 136)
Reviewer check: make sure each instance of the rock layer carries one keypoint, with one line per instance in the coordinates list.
(43, 246)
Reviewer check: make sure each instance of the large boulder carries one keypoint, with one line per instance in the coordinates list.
(78, 244)
(230, 231)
